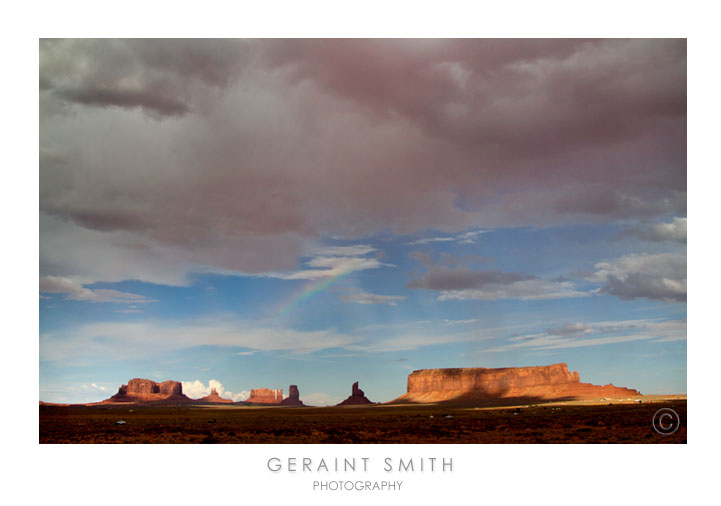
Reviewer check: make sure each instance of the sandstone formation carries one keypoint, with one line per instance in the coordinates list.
(214, 398)
(265, 396)
(542, 383)
(293, 398)
(357, 397)
(147, 391)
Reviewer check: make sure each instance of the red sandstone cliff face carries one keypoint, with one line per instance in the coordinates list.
(214, 398)
(265, 396)
(147, 391)
(542, 382)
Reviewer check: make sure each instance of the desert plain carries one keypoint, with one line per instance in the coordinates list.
(553, 422)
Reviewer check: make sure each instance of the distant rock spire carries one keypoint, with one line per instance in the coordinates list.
(357, 397)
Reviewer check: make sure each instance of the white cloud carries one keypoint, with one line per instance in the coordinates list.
(355, 250)
(73, 392)
(405, 336)
(394, 326)
(460, 322)
(372, 298)
(413, 339)
(335, 261)
(122, 340)
(76, 291)
(659, 232)
(530, 289)
(197, 389)
(674, 231)
(615, 332)
(570, 329)
(658, 277)
(465, 238)
(569, 335)
(408, 342)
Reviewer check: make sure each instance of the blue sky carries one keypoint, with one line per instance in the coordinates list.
(245, 214)
(326, 340)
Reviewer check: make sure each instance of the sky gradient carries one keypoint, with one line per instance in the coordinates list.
(260, 213)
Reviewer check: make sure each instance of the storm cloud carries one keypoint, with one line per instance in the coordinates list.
(162, 157)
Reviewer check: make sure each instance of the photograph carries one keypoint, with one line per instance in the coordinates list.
(404, 241)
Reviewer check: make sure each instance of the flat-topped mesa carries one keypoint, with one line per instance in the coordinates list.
(489, 381)
(214, 398)
(293, 398)
(357, 397)
(265, 396)
(541, 382)
(140, 390)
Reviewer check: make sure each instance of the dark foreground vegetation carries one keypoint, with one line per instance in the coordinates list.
(607, 423)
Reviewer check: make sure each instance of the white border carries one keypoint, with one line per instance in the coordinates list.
(486, 474)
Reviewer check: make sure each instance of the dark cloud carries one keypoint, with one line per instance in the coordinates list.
(159, 76)
(460, 283)
(267, 146)
(592, 199)
(152, 99)
(582, 111)
(445, 278)
(603, 200)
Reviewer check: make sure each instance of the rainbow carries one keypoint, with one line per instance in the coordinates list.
(308, 291)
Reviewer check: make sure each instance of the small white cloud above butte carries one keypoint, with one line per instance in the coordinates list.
(197, 389)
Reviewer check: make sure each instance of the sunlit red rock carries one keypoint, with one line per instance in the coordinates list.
(265, 396)
(140, 390)
(542, 382)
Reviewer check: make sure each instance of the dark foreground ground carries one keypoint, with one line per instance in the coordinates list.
(616, 423)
